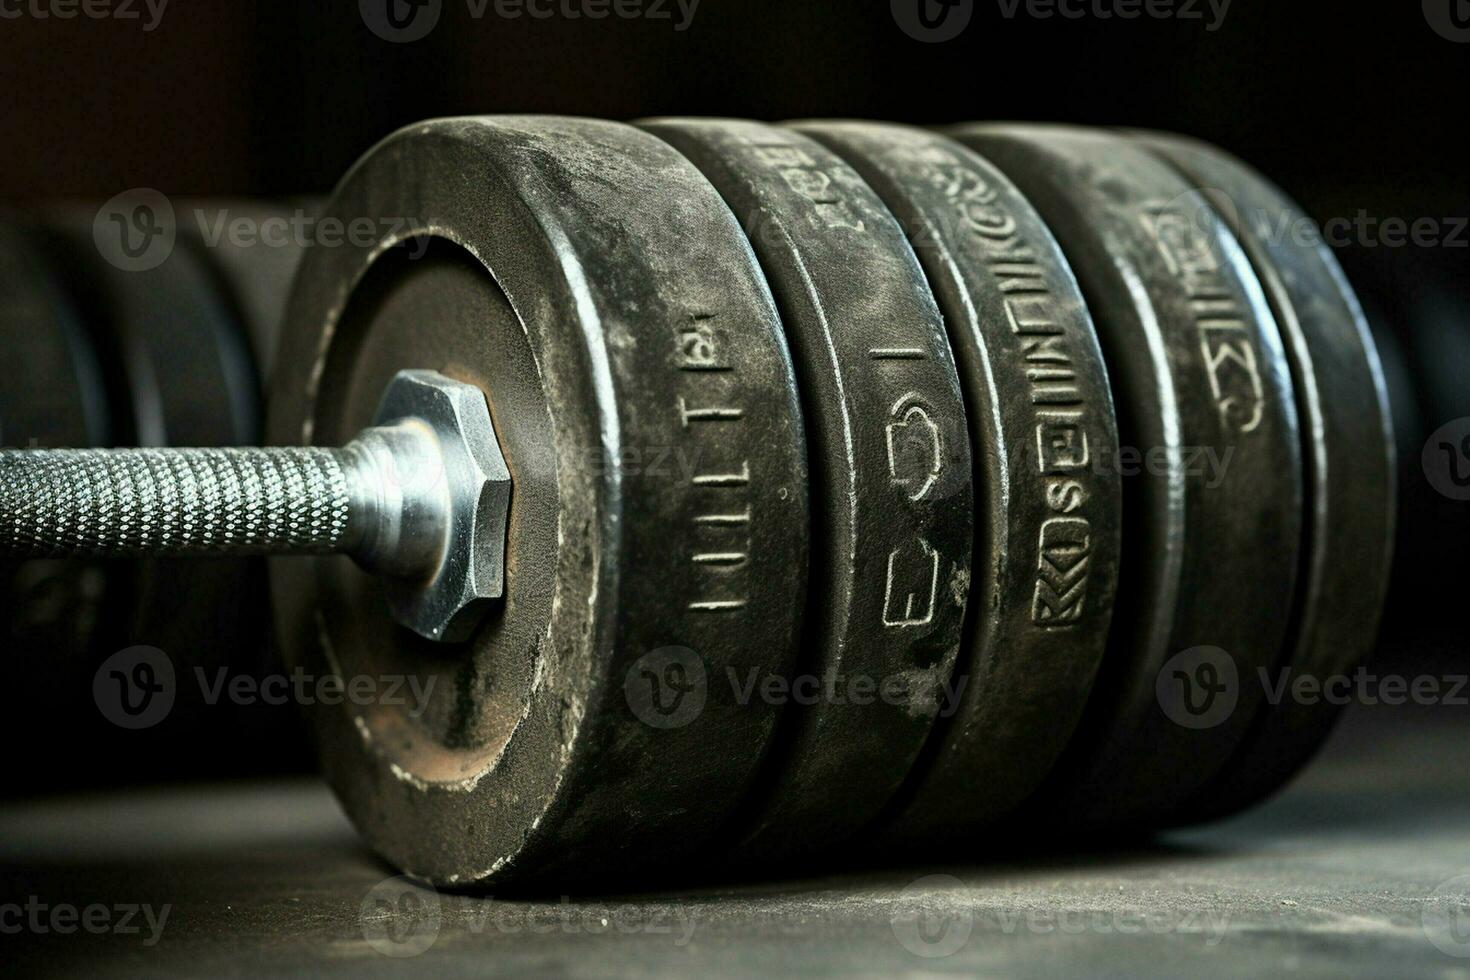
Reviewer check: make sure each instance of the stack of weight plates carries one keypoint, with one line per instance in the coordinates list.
(875, 489)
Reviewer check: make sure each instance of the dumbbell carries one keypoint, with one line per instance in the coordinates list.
(754, 492)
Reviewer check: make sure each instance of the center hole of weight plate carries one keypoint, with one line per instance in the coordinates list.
(429, 304)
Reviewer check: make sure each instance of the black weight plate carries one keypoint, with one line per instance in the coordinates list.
(892, 501)
(56, 398)
(1212, 516)
(186, 365)
(1347, 443)
(1041, 413)
(255, 247)
(54, 614)
(182, 375)
(594, 285)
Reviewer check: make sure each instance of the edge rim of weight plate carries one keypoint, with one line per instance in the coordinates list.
(1014, 718)
(1143, 775)
(847, 284)
(1286, 736)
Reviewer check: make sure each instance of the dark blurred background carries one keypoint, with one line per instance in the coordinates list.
(1353, 109)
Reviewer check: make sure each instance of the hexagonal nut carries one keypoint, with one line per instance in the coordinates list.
(476, 489)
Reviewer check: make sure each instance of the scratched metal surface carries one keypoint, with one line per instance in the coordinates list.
(1333, 876)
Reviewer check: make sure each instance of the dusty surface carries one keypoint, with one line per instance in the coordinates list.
(1334, 876)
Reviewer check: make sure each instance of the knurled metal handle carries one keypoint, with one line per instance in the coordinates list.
(421, 498)
(122, 503)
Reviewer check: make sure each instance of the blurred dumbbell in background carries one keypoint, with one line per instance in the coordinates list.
(148, 322)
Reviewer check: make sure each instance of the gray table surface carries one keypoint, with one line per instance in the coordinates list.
(1352, 870)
